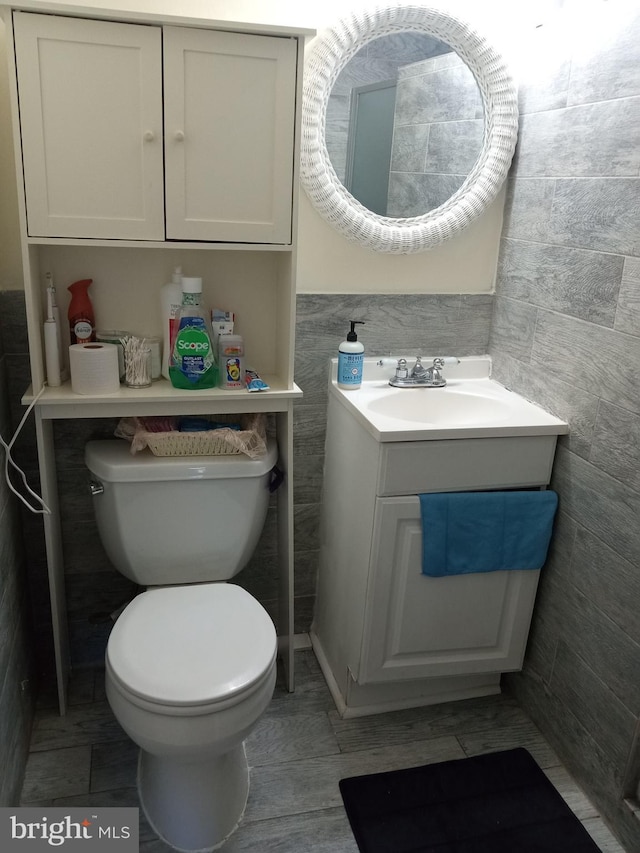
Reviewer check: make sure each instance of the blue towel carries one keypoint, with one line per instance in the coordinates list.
(464, 532)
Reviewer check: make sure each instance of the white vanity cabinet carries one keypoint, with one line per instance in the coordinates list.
(386, 635)
(150, 136)
(120, 120)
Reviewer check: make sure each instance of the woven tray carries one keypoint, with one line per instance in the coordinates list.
(250, 439)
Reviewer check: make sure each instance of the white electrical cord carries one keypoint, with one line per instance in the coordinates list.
(8, 460)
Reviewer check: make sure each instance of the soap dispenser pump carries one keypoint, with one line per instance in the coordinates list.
(350, 359)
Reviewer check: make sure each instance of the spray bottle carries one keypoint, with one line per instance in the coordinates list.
(82, 324)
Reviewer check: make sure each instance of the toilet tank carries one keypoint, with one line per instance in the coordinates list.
(176, 520)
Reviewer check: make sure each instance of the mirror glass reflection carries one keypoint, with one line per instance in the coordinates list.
(404, 124)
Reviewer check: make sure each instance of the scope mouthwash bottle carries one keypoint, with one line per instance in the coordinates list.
(192, 361)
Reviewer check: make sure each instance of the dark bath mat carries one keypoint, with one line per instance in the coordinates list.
(496, 803)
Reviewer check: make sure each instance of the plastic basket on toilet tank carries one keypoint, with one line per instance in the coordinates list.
(219, 435)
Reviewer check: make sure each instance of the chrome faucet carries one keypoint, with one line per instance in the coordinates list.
(420, 376)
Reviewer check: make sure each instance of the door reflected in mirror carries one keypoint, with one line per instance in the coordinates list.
(404, 124)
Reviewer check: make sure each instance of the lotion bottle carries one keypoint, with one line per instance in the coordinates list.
(350, 360)
(170, 302)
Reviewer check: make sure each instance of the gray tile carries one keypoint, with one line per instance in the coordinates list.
(590, 764)
(599, 360)
(56, 773)
(508, 736)
(616, 444)
(549, 86)
(80, 726)
(14, 321)
(610, 68)
(528, 208)
(312, 784)
(572, 794)
(599, 503)
(306, 524)
(596, 213)
(602, 835)
(607, 579)
(579, 688)
(113, 766)
(307, 478)
(610, 654)
(295, 725)
(628, 313)
(397, 728)
(324, 831)
(581, 141)
(513, 328)
(580, 283)
(286, 735)
(547, 387)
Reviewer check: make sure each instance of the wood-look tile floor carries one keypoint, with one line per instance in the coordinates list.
(297, 754)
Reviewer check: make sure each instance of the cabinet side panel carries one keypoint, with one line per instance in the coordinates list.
(348, 501)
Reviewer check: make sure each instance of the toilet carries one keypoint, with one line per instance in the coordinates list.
(191, 661)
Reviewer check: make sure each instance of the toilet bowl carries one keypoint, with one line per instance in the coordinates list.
(202, 674)
(191, 663)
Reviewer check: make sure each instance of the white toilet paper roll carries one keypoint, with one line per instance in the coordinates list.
(94, 368)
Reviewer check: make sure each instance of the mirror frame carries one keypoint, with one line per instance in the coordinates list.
(328, 54)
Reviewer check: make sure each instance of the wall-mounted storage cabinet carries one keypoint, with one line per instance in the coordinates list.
(144, 142)
(104, 152)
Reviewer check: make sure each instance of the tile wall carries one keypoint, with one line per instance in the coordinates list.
(566, 333)
(394, 324)
(17, 682)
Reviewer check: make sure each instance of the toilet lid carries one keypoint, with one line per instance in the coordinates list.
(191, 645)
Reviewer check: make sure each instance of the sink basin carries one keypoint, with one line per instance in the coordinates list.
(471, 405)
(440, 406)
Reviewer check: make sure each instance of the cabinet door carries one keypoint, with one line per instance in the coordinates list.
(91, 123)
(229, 135)
(417, 626)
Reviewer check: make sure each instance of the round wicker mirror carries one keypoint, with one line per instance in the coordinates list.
(327, 56)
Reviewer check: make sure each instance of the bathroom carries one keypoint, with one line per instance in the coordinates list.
(554, 299)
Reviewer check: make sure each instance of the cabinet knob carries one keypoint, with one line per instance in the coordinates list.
(179, 136)
(149, 136)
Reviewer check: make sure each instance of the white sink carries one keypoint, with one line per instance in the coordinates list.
(471, 405)
(449, 405)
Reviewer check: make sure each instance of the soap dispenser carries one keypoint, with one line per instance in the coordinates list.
(350, 359)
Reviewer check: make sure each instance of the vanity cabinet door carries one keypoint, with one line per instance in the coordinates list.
(418, 626)
(229, 135)
(91, 123)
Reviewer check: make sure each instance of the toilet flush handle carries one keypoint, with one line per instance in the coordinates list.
(96, 488)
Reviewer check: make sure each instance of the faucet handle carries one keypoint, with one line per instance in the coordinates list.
(449, 359)
(402, 371)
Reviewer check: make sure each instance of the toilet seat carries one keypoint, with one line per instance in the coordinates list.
(191, 646)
